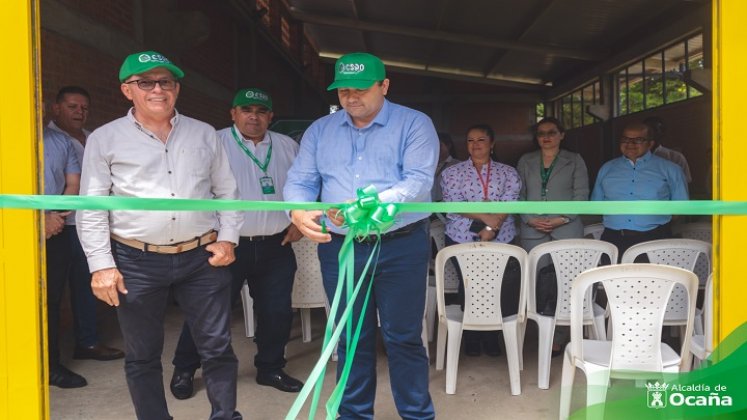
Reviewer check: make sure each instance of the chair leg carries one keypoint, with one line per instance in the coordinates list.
(522, 334)
(305, 324)
(452, 357)
(598, 328)
(440, 345)
(424, 337)
(566, 385)
(511, 339)
(597, 383)
(546, 328)
(430, 311)
(248, 303)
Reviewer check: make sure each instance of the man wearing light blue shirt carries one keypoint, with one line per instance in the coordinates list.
(395, 149)
(638, 175)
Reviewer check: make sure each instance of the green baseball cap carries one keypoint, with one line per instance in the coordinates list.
(144, 61)
(252, 96)
(357, 71)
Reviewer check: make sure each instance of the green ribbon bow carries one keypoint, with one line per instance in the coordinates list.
(364, 217)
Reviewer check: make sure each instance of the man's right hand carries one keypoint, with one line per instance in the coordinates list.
(106, 283)
(307, 223)
(54, 222)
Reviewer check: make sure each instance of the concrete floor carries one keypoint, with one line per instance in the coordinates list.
(482, 384)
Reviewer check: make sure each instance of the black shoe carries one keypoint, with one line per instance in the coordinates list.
(279, 380)
(472, 348)
(492, 348)
(62, 377)
(97, 352)
(182, 384)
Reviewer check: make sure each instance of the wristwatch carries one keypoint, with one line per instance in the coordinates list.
(565, 220)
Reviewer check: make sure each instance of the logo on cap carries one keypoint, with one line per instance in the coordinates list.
(158, 58)
(257, 95)
(351, 68)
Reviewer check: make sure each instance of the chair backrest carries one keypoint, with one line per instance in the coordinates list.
(708, 314)
(308, 288)
(593, 231)
(682, 253)
(482, 265)
(570, 258)
(438, 236)
(638, 296)
(702, 231)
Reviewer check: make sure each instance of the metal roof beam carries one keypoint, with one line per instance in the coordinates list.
(444, 36)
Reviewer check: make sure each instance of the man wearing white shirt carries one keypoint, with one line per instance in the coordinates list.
(259, 160)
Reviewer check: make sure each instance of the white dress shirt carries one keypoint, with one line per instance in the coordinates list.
(123, 158)
(247, 174)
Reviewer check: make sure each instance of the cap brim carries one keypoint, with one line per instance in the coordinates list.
(176, 71)
(250, 103)
(354, 84)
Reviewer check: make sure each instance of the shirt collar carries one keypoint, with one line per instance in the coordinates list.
(643, 159)
(131, 117)
(382, 118)
(265, 139)
(55, 127)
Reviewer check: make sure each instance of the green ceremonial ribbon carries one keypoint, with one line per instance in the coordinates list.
(364, 217)
(74, 202)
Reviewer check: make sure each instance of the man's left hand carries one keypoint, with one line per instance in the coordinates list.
(222, 253)
(292, 235)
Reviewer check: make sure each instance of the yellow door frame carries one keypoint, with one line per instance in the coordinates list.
(23, 369)
(729, 149)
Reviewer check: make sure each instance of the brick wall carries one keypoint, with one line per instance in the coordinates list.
(117, 14)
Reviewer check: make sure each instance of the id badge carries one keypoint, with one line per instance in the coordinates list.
(268, 187)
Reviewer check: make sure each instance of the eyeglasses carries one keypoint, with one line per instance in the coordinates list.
(551, 133)
(634, 140)
(145, 84)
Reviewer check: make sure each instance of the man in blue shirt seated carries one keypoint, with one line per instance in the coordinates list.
(394, 148)
(638, 175)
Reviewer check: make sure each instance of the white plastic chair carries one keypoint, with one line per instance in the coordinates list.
(482, 265)
(593, 231)
(570, 258)
(438, 236)
(682, 253)
(308, 288)
(701, 231)
(248, 304)
(701, 345)
(638, 296)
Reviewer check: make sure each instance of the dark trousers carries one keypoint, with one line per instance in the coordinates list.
(83, 301)
(398, 293)
(624, 239)
(58, 267)
(203, 292)
(269, 269)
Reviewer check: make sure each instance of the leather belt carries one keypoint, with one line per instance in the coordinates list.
(405, 230)
(178, 248)
(629, 232)
(263, 237)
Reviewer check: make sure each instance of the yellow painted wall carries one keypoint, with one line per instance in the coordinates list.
(23, 394)
(730, 150)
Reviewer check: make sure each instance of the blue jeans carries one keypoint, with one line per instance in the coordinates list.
(268, 268)
(398, 293)
(203, 292)
(82, 300)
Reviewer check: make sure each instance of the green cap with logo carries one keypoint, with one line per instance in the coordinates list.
(252, 96)
(357, 71)
(145, 61)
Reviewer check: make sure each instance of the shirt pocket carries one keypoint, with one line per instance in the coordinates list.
(196, 161)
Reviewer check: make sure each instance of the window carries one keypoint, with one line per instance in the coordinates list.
(657, 79)
(573, 105)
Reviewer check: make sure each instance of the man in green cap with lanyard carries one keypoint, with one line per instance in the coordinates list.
(259, 160)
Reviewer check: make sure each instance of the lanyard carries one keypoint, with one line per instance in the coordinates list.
(484, 183)
(262, 166)
(545, 174)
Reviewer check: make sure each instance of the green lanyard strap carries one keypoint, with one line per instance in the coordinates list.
(545, 174)
(262, 166)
